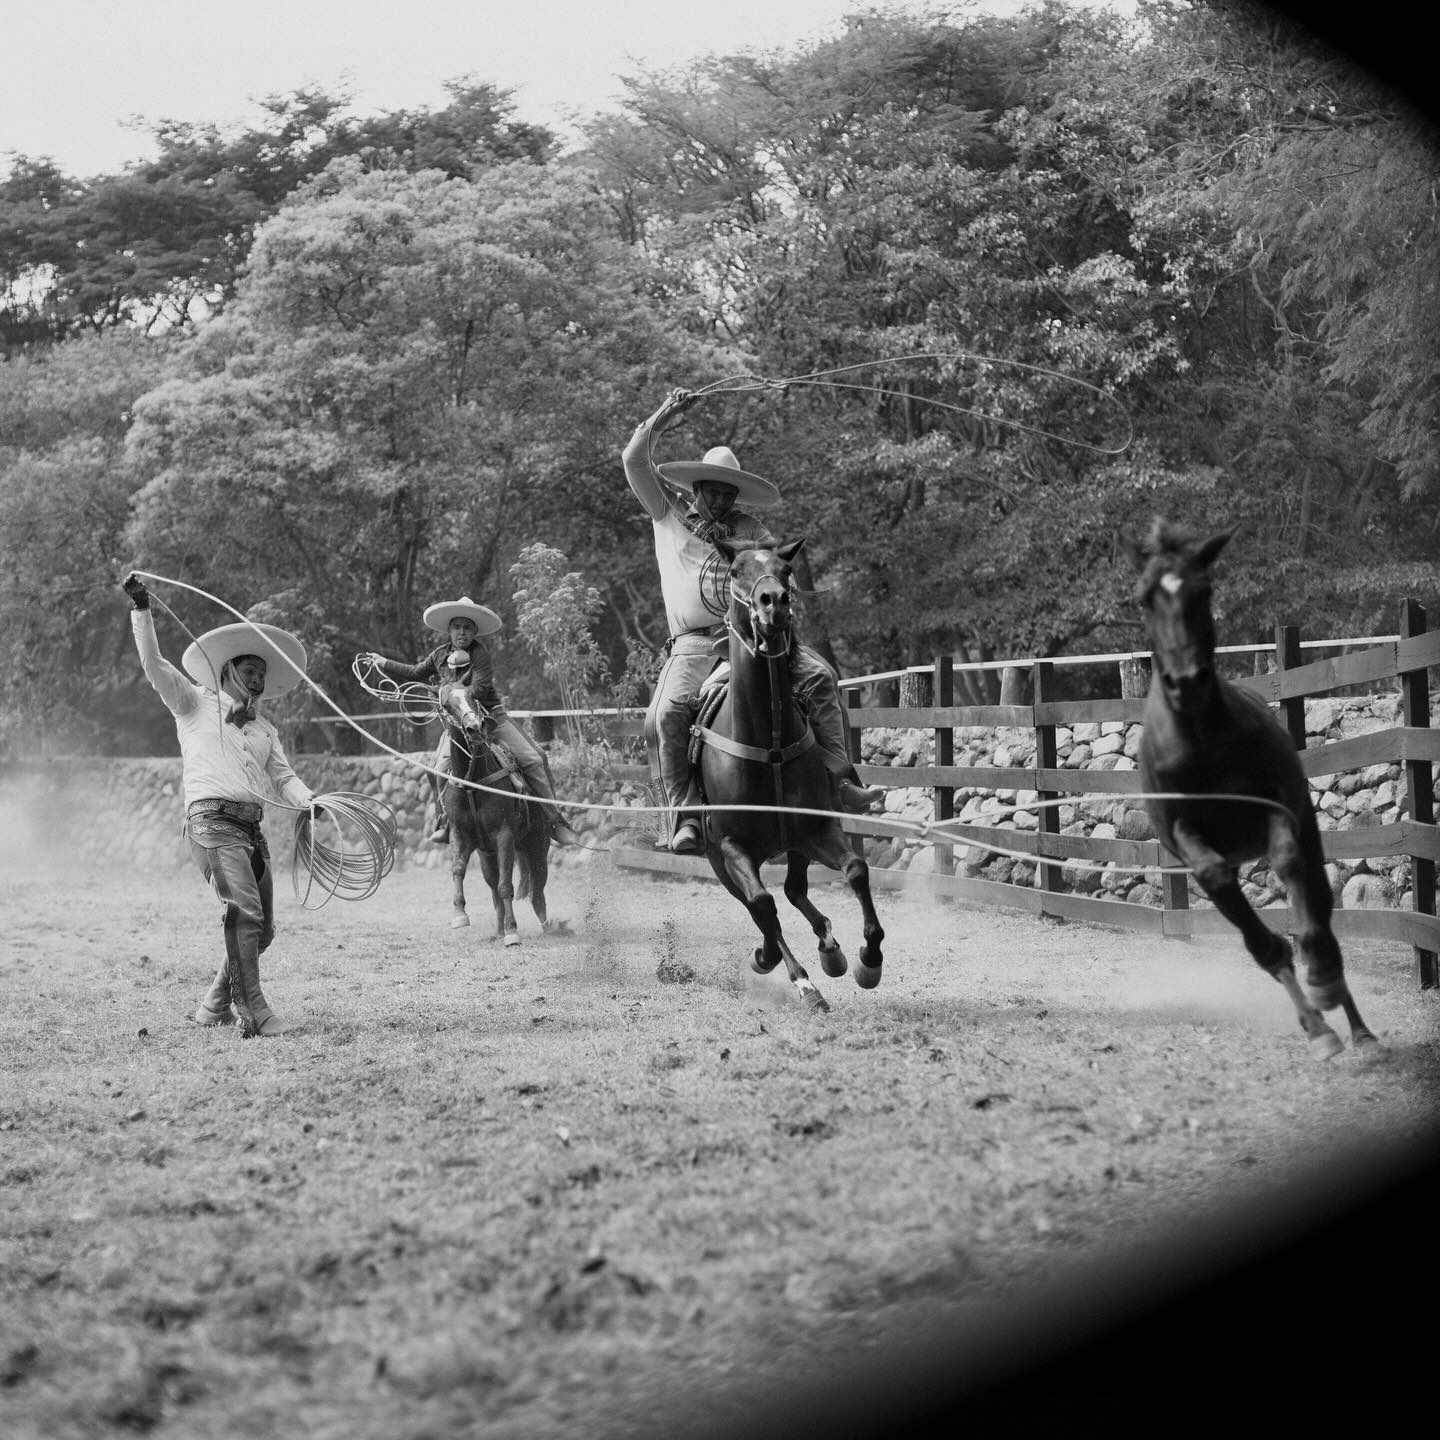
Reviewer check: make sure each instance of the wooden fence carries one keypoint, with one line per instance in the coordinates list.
(1413, 745)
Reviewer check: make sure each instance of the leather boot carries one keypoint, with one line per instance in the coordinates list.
(256, 1016)
(857, 798)
(215, 1008)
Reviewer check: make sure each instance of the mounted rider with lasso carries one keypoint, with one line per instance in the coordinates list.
(692, 504)
(465, 662)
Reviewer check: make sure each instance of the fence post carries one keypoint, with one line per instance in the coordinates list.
(1047, 757)
(1415, 693)
(1287, 657)
(852, 744)
(944, 755)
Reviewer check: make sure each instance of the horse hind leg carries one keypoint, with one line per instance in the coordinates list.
(1301, 868)
(1271, 952)
(502, 895)
(832, 850)
(797, 892)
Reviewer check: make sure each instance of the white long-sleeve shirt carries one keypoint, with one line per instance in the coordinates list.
(220, 761)
(692, 571)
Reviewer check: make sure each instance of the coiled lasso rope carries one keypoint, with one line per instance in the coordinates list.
(352, 869)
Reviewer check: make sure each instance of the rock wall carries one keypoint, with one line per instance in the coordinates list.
(1348, 800)
(102, 807)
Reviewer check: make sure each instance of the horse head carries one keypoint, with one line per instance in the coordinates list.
(1174, 589)
(459, 710)
(762, 594)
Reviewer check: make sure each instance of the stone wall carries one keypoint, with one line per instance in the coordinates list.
(101, 807)
(1349, 800)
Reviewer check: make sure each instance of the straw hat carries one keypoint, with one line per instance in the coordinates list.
(283, 654)
(720, 464)
(439, 616)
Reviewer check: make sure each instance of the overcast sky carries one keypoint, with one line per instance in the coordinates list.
(75, 70)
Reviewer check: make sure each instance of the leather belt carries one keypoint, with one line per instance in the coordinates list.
(712, 630)
(242, 810)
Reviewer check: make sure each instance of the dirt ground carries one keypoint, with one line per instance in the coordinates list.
(610, 1182)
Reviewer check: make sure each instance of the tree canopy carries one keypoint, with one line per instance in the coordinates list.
(981, 294)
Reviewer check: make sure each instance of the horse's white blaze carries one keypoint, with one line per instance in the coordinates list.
(1170, 583)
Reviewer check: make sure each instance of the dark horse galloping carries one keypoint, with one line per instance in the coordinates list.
(493, 822)
(759, 750)
(1206, 737)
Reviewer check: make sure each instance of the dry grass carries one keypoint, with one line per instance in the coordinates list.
(547, 1191)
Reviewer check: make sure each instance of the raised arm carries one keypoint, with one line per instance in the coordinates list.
(639, 469)
(174, 688)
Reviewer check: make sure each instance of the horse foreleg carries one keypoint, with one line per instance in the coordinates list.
(459, 860)
(1271, 952)
(797, 892)
(831, 849)
(741, 876)
(1299, 862)
(499, 865)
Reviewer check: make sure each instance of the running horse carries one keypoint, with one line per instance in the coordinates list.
(759, 750)
(494, 821)
(1208, 739)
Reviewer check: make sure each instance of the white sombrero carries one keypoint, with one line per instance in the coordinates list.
(720, 464)
(439, 616)
(283, 654)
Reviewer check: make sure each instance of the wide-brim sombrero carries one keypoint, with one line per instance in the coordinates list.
(720, 464)
(283, 654)
(439, 616)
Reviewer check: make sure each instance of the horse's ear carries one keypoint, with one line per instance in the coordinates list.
(728, 548)
(1208, 550)
(790, 549)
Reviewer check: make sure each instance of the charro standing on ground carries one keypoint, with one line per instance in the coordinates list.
(692, 581)
(466, 661)
(231, 756)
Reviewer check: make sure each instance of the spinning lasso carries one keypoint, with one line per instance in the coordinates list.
(747, 383)
(354, 874)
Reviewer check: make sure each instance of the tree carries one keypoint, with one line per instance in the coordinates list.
(163, 243)
(415, 377)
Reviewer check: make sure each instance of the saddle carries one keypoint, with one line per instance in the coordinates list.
(506, 767)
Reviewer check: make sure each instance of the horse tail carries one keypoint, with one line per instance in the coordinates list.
(522, 888)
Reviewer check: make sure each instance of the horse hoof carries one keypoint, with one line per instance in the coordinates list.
(459, 922)
(511, 939)
(815, 1002)
(1326, 1045)
(867, 977)
(833, 961)
(1364, 1041)
(757, 962)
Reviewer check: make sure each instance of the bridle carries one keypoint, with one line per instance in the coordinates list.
(752, 646)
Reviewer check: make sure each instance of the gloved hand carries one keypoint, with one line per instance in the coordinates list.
(677, 402)
(134, 587)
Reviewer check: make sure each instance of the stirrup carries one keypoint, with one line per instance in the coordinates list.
(687, 839)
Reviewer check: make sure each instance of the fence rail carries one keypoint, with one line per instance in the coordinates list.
(1413, 745)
